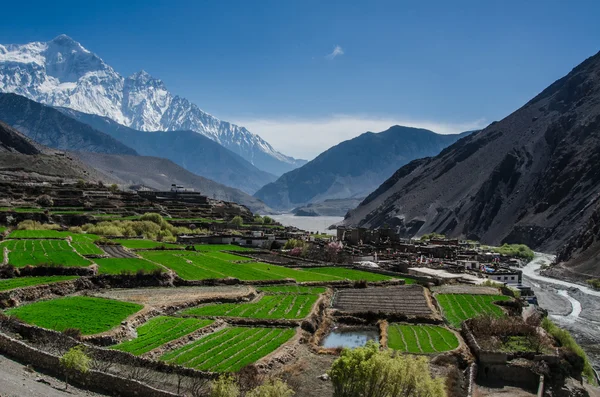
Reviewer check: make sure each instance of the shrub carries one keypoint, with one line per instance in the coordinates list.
(76, 229)
(34, 225)
(258, 219)
(114, 188)
(272, 388)
(75, 360)
(225, 386)
(267, 220)
(369, 371)
(45, 201)
(431, 236)
(237, 221)
(594, 283)
(515, 250)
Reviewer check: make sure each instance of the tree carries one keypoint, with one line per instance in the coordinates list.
(75, 360)
(267, 220)
(272, 388)
(237, 221)
(367, 371)
(259, 219)
(114, 188)
(225, 386)
(45, 201)
(80, 184)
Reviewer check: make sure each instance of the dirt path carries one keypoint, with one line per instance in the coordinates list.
(17, 381)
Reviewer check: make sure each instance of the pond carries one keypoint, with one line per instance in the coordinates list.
(350, 337)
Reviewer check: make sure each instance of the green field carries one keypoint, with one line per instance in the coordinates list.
(421, 338)
(460, 307)
(291, 289)
(42, 252)
(146, 244)
(20, 282)
(124, 265)
(350, 274)
(231, 349)
(46, 234)
(86, 248)
(289, 307)
(2, 229)
(90, 315)
(220, 247)
(226, 256)
(160, 330)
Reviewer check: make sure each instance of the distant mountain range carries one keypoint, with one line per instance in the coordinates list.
(61, 72)
(531, 178)
(353, 168)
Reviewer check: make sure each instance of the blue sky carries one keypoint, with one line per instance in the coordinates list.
(446, 65)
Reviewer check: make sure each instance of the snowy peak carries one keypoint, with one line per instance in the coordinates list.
(61, 72)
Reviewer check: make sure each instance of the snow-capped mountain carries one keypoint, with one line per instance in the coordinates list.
(61, 72)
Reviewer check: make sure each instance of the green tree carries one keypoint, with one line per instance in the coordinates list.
(268, 220)
(237, 221)
(367, 371)
(272, 388)
(259, 219)
(75, 360)
(225, 386)
(80, 184)
(114, 188)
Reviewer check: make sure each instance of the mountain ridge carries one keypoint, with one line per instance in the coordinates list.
(61, 72)
(353, 168)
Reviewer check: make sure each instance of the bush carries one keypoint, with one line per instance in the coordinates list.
(594, 283)
(34, 225)
(515, 250)
(75, 360)
(114, 188)
(369, 371)
(225, 386)
(45, 201)
(431, 236)
(237, 221)
(267, 220)
(258, 219)
(565, 339)
(272, 388)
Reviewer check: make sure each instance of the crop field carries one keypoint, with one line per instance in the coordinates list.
(86, 248)
(158, 331)
(146, 244)
(124, 265)
(421, 338)
(52, 234)
(90, 315)
(289, 307)
(231, 349)
(460, 307)
(292, 289)
(226, 256)
(220, 247)
(37, 252)
(405, 299)
(20, 282)
(349, 274)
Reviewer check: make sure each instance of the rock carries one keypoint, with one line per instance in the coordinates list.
(324, 377)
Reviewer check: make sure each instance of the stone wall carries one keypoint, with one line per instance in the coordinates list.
(93, 380)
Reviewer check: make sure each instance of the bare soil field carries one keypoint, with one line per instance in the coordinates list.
(465, 289)
(117, 251)
(405, 299)
(158, 297)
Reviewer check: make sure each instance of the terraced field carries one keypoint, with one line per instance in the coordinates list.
(90, 315)
(421, 338)
(350, 274)
(291, 289)
(124, 265)
(146, 244)
(231, 349)
(86, 248)
(404, 299)
(220, 247)
(160, 330)
(289, 307)
(54, 234)
(20, 282)
(46, 252)
(460, 307)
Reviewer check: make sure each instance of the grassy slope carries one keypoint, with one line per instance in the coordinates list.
(20, 282)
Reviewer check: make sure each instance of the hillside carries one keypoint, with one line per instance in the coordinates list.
(188, 149)
(353, 168)
(24, 160)
(51, 128)
(160, 173)
(531, 178)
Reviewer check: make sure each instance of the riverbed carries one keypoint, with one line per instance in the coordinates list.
(315, 224)
(572, 306)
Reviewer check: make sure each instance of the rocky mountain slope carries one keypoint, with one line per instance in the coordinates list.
(158, 173)
(50, 127)
(531, 178)
(190, 150)
(353, 168)
(61, 72)
(25, 160)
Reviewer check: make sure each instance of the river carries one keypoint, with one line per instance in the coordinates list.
(572, 306)
(316, 224)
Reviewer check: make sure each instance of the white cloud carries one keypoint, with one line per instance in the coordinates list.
(337, 50)
(308, 138)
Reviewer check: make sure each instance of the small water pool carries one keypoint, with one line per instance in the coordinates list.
(350, 337)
